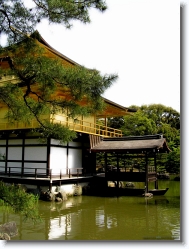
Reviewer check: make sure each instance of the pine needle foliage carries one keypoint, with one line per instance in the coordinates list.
(34, 78)
(19, 15)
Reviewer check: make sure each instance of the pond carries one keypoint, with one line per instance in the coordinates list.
(103, 218)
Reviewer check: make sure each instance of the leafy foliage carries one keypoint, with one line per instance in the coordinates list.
(162, 114)
(116, 122)
(154, 119)
(19, 201)
(138, 124)
(173, 161)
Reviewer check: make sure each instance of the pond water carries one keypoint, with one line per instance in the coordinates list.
(102, 218)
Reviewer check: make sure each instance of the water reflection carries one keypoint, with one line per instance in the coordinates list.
(97, 218)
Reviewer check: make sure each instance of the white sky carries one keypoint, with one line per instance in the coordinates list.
(137, 39)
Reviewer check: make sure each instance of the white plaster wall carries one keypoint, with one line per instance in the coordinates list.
(15, 153)
(2, 142)
(35, 153)
(15, 141)
(75, 144)
(58, 160)
(57, 142)
(74, 159)
(32, 141)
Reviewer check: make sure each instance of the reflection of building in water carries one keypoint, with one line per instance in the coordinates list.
(83, 218)
(104, 220)
(59, 227)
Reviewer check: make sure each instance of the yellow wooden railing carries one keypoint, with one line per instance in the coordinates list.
(5, 125)
(90, 128)
(79, 126)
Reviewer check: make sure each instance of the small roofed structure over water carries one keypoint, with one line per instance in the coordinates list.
(131, 147)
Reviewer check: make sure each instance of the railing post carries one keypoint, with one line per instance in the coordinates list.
(50, 185)
(77, 173)
(9, 171)
(60, 174)
(69, 172)
(35, 173)
(50, 174)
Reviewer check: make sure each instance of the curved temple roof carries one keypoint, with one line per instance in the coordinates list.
(135, 144)
(112, 109)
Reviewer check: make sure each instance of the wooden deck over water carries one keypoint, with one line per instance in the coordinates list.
(45, 181)
(66, 179)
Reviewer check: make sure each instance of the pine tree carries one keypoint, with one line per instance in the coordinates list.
(18, 17)
(39, 77)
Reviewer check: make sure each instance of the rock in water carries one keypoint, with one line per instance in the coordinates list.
(147, 195)
(4, 236)
(9, 229)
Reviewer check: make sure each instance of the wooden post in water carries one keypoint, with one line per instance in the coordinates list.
(146, 171)
(117, 186)
(50, 185)
(105, 160)
(155, 164)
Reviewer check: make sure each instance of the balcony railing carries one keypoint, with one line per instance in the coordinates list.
(79, 126)
(90, 128)
(43, 173)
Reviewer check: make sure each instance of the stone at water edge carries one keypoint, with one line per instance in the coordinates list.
(9, 229)
(4, 236)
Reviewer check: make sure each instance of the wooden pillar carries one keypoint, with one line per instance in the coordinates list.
(93, 163)
(155, 164)
(105, 161)
(67, 154)
(105, 124)
(117, 186)
(48, 155)
(50, 185)
(23, 156)
(146, 171)
(6, 153)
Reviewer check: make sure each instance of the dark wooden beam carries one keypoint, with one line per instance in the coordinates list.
(155, 164)
(146, 171)
(117, 186)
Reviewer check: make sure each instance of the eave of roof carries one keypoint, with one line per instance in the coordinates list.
(109, 102)
(132, 144)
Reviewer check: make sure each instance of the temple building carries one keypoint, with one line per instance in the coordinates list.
(25, 159)
(22, 155)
